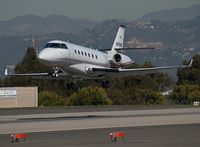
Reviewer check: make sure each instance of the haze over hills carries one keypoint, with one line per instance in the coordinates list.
(173, 14)
(178, 40)
(29, 24)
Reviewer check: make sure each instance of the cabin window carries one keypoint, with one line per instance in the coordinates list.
(75, 51)
(88, 54)
(96, 56)
(79, 52)
(92, 56)
(85, 54)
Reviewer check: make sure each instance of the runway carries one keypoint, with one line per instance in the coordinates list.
(160, 127)
(149, 136)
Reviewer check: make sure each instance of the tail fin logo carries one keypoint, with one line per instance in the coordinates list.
(119, 44)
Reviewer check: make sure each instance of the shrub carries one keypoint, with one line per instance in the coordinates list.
(89, 96)
(48, 98)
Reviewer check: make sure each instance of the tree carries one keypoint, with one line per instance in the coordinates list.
(89, 96)
(154, 97)
(190, 75)
(188, 84)
(49, 98)
(185, 94)
(118, 97)
(30, 63)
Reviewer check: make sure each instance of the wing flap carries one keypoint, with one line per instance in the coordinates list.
(135, 71)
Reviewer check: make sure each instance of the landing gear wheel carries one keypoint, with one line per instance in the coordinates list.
(55, 72)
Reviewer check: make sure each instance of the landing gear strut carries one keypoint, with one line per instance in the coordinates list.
(105, 84)
(72, 86)
(55, 72)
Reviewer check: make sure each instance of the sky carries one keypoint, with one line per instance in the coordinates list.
(89, 9)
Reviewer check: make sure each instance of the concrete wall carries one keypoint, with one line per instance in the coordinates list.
(18, 97)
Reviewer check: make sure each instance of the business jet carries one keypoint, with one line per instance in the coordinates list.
(78, 61)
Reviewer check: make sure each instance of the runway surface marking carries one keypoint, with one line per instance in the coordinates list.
(120, 119)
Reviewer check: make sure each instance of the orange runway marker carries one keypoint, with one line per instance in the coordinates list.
(17, 137)
(113, 136)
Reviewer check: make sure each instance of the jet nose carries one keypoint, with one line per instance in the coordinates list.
(43, 56)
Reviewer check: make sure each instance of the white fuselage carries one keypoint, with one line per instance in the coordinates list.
(71, 58)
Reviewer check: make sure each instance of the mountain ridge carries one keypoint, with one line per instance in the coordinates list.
(173, 14)
(28, 24)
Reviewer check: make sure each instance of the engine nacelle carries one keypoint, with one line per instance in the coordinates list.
(89, 70)
(117, 58)
(121, 59)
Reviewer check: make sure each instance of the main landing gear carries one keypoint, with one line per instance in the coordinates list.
(55, 72)
(105, 84)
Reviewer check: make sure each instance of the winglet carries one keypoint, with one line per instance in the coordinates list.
(9, 70)
(6, 72)
(191, 61)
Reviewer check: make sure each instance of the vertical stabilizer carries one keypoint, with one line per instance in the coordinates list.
(119, 39)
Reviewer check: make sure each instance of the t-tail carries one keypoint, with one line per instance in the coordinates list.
(119, 39)
(115, 58)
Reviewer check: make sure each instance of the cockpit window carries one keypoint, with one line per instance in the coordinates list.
(56, 45)
(53, 45)
(63, 46)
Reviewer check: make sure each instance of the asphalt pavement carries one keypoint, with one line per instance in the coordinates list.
(166, 127)
(149, 136)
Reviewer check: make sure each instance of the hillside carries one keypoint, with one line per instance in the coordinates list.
(29, 24)
(173, 14)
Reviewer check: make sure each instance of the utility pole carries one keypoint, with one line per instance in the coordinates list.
(33, 40)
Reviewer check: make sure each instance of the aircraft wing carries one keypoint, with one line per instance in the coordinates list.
(130, 48)
(7, 73)
(53, 74)
(135, 71)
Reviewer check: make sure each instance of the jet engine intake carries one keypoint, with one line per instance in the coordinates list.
(120, 60)
(117, 58)
(89, 70)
